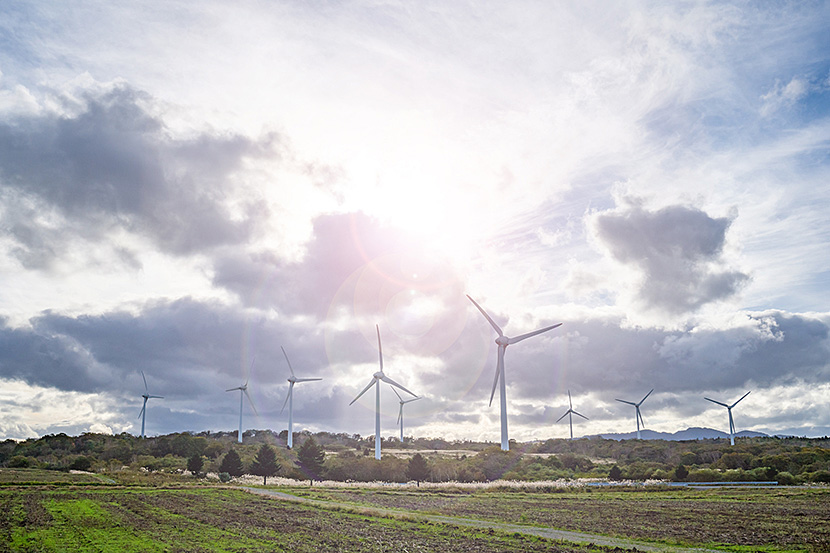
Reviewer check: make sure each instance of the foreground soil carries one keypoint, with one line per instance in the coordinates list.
(66, 518)
(788, 518)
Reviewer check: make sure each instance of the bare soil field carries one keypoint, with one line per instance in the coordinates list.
(785, 518)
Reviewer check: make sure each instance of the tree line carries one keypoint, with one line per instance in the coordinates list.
(344, 457)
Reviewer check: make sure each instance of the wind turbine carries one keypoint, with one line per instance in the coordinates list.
(400, 411)
(731, 422)
(290, 399)
(243, 390)
(570, 412)
(146, 395)
(637, 416)
(377, 378)
(504, 341)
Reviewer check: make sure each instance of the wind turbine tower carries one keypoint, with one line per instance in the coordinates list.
(377, 378)
(731, 422)
(637, 416)
(503, 341)
(400, 411)
(290, 399)
(146, 395)
(570, 412)
(243, 391)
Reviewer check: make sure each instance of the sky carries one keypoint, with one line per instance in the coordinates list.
(186, 188)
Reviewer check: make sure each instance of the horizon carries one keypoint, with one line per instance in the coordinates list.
(185, 190)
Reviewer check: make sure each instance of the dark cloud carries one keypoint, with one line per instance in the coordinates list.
(677, 249)
(771, 349)
(192, 351)
(113, 165)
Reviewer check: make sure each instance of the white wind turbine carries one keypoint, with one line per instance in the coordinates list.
(637, 416)
(504, 341)
(377, 378)
(570, 412)
(146, 395)
(731, 422)
(400, 411)
(290, 399)
(243, 390)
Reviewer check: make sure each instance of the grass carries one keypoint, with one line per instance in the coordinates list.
(53, 511)
(215, 519)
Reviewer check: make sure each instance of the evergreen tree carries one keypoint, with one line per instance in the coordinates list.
(681, 472)
(195, 463)
(615, 473)
(265, 464)
(417, 469)
(310, 458)
(232, 464)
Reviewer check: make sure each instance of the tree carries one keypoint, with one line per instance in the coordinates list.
(195, 463)
(265, 464)
(417, 469)
(232, 464)
(681, 472)
(310, 459)
(615, 473)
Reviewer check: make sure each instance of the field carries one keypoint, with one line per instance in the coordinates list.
(758, 518)
(47, 511)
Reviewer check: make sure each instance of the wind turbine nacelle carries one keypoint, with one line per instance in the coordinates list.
(503, 341)
(378, 375)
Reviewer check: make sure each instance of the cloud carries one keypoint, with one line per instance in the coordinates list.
(676, 250)
(109, 164)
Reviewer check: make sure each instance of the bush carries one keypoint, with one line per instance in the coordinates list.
(22, 462)
(224, 477)
(784, 478)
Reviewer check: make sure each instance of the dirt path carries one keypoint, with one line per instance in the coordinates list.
(551, 533)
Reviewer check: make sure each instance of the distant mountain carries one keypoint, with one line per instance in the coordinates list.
(695, 433)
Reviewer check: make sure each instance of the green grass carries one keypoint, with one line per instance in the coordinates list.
(214, 519)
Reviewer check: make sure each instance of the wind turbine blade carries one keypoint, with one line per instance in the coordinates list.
(142, 410)
(529, 334)
(743, 396)
(157, 397)
(287, 361)
(570, 403)
(393, 383)
(369, 385)
(486, 316)
(641, 418)
(583, 416)
(380, 349)
(499, 364)
(563, 416)
(251, 401)
(718, 402)
(396, 393)
(232, 389)
(405, 401)
(628, 402)
(306, 379)
(146, 389)
(290, 390)
(642, 400)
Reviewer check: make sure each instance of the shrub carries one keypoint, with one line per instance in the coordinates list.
(784, 478)
(224, 477)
